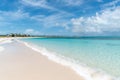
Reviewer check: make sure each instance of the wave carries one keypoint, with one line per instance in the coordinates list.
(81, 69)
(6, 40)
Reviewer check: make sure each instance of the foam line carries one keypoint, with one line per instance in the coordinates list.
(81, 69)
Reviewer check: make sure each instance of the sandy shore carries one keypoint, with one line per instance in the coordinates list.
(18, 62)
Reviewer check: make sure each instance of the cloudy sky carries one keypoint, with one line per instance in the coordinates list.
(60, 17)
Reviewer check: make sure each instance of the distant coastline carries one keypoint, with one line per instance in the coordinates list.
(59, 36)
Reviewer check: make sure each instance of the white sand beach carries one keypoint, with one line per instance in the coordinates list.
(18, 62)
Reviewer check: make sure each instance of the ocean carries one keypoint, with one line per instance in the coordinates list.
(99, 56)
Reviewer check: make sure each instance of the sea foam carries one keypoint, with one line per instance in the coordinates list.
(5, 40)
(81, 69)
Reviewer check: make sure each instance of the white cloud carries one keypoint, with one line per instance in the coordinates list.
(12, 18)
(37, 3)
(99, 0)
(55, 20)
(106, 21)
(111, 4)
(12, 15)
(72, 2)
(31, 31)
(45, 3)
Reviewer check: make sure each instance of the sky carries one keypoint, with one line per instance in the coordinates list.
(60, 17)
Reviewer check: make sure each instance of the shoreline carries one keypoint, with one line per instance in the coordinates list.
(83, 70)
(80, 69)
(22, 63)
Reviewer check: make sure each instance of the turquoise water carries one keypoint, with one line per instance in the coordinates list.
(96, 53)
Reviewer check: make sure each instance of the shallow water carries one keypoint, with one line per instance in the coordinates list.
(96, 53)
